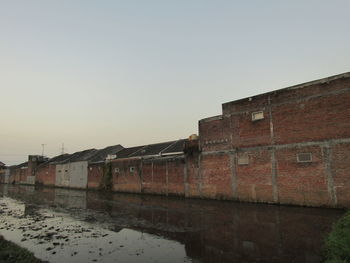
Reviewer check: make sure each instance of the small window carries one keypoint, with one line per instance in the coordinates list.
(116, 170)
(258, 115)
(66, 171)
(59, 171)
(243, 159)
(304, 157)
(132, 169)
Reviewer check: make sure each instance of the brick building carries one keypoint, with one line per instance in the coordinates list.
(71, 170)
(97, 162)
(46, 174)
(155, 168)
(289, 146)
(2, 172)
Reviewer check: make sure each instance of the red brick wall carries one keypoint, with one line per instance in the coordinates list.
(302, 183)
(175, 182)
(341, 171)
(18, 175)
(192, 177)
(215, 177)
(46, 175)
(163, 176)
(314, 119)
(125, 180)
(254, 180)
(95, 174)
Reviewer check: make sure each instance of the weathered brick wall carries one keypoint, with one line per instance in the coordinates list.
(18, 175)
(254, 161)
(125, 180)
(258, 159)
(46, 175)
(192, 177)
(215, 176)
(163, 176)
(175, 177)
(340, 167)
(95, 174)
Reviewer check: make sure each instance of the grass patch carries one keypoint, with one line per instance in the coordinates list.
(337, 247)
(10, 252)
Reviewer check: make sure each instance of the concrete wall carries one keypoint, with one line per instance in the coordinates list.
(72, 175)
(7, 176)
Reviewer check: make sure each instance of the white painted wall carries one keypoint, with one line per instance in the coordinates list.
(30, 180)
(78, 174)
(72, 174)
(7, 176)
(62, 175)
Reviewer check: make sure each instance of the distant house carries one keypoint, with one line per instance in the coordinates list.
(18, 173)
(2, 172)
(46, 174)
(96, 163)
(25, 173)
(155, 168)
(73, 171)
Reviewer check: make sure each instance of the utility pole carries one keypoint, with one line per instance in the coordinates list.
(43, 145)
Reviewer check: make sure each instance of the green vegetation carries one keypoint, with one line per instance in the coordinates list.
(106, 182)
(338, 242)
(9, 252)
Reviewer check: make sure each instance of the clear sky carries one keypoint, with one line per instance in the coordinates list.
(91, 74)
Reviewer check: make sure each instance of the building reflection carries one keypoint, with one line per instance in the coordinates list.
(211, 231)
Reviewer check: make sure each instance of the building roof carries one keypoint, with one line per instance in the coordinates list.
(168, 148)
(2, 164)
(102, 154)
(127, 151)
(80, 156)
(298, 86)
(91, 155)
(58, 159)
(17, 166)
(178, 146)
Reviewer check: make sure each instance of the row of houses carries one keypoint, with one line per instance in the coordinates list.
(289, 146)
(87, 169)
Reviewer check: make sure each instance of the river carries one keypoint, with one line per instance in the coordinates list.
(61, 225)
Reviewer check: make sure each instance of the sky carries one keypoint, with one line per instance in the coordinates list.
(91, 74)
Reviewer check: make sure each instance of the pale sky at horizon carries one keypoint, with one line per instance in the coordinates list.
(91, 74)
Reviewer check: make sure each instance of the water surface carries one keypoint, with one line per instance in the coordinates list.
(61, 225)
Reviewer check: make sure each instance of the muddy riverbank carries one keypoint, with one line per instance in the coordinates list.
(60, 225)
(12, 253)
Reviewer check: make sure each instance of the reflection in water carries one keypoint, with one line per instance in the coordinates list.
(82, 226)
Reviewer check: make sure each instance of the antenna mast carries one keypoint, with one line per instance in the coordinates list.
(62, 148)
(43, 145)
